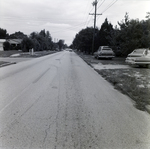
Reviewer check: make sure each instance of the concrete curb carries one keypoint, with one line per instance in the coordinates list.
(7, 63)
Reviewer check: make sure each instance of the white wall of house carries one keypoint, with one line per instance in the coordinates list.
(1, 44)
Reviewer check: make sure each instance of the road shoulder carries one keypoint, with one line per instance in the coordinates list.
(131, 81)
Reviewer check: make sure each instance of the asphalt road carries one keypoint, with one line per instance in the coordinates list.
(59, 102)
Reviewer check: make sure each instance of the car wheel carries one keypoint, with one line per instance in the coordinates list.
(144, 66)
(147, 65)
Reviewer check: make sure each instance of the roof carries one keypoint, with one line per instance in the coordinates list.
(11, 41)
(14, 41)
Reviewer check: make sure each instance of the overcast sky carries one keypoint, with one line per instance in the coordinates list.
(64, 18)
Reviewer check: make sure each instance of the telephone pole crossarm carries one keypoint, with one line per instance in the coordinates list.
(94, 14)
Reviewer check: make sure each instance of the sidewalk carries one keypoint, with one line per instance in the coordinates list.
(109, 66)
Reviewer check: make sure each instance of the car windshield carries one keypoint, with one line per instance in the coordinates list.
(108, 49)
(139, 51)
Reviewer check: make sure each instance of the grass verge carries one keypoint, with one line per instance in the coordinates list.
(130, 82)
(8, 53)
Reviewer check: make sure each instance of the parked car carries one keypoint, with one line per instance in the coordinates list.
(104, 52)
(139, 57)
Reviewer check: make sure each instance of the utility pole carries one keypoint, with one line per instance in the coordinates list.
(95, 14)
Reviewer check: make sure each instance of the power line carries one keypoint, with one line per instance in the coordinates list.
(101, 4)
(70, 28)
(87, 21)
(110, 5)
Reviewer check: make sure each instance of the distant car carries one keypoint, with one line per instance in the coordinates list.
(70, 50)
(139, 57)
(104, 52)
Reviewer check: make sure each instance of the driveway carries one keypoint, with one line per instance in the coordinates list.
(109, 66)
(12, 59)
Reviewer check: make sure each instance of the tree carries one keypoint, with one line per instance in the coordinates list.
(17, 35)
(6, 46)
(132, 34)
(145, 40)
(27, 44)
(42, 33)
(48, 40)
(83, 40)
(104, 36)
(42, 41)
(148, 15)
(60, 44)
(3, 33)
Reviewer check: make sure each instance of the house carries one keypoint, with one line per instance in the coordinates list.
(13, 43)
(1, 44)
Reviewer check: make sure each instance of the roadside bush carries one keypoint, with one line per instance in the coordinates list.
(6, 46)
(27, 44)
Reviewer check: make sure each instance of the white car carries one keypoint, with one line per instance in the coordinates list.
(139, 57)
(104, 52)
